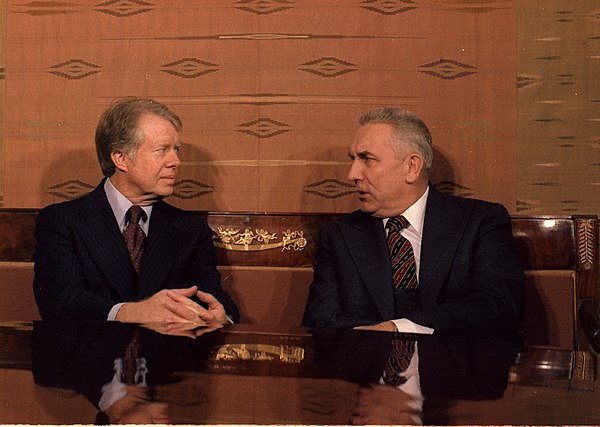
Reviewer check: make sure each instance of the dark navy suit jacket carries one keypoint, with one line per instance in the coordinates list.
(470, 277)
(83, 268)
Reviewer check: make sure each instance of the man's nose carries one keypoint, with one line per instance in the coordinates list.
(174, 161)
(354, 172)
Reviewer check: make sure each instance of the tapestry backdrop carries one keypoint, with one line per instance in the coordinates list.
(268, 91)
(559, 107)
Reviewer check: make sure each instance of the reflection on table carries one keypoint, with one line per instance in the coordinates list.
(65, 373)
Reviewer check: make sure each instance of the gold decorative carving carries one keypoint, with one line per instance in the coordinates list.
(585, 243)
(583, 371)
(233, 239)
(260, 352)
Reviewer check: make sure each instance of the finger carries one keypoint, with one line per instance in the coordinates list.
(188, 292)
(207, 298)
(181, 298)
(182, 329)
(200, 311)
(210, 328)
(175, 329)
(181, 311)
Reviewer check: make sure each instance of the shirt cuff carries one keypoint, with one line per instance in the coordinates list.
(112, 314)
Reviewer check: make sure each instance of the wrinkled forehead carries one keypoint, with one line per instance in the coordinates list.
(372, 137)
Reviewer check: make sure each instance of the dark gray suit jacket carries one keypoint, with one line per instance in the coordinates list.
(83, 268)
(470, 276)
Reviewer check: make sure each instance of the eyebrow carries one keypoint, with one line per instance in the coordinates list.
(361, 154)
(166, 143)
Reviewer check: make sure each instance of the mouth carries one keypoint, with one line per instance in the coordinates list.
(362, 195)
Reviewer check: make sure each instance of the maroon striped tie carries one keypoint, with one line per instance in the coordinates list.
(401, 353)
(134, 236)
(402, 257)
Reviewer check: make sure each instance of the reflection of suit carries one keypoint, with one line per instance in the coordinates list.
(450, 367)
(81, 356)
(470, 278)
(83, 268)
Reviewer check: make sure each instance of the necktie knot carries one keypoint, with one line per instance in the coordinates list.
(135, 213)
(397, 223)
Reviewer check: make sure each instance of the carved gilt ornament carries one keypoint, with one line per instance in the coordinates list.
(260, 352)
(233, 239)
(585, 232)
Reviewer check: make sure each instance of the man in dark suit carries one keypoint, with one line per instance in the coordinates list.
(83, 268)
(469, 277)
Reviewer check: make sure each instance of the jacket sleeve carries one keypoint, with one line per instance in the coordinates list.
(485, 288)
(323, 306)
(59, 284)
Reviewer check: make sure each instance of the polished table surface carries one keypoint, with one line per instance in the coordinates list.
(59, 373)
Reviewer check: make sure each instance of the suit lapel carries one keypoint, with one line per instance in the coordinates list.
(161, 251)
(444, 225)
(365, 238)
(100, 233)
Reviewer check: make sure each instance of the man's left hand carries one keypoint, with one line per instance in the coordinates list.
(381, 327)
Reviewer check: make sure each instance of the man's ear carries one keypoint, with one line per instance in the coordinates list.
(414, 165)
(121, 160)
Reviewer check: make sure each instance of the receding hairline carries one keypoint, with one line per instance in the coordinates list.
(408, 131)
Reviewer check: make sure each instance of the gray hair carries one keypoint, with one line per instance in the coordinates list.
(118, 128)
(408, 129)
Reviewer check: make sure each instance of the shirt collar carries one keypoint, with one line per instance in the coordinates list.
(121, 204)
(415, 214)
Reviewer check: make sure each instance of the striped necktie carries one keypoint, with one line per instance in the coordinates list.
(401, 353)
(402, 257)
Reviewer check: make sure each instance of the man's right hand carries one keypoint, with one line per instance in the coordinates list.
(166, 306)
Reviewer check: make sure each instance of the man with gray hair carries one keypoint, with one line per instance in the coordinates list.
(121, 252)
(413, 259)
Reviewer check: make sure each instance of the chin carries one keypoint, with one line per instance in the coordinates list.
(165, 192)
(368, 209)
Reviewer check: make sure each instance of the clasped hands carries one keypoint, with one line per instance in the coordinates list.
(173, 312)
